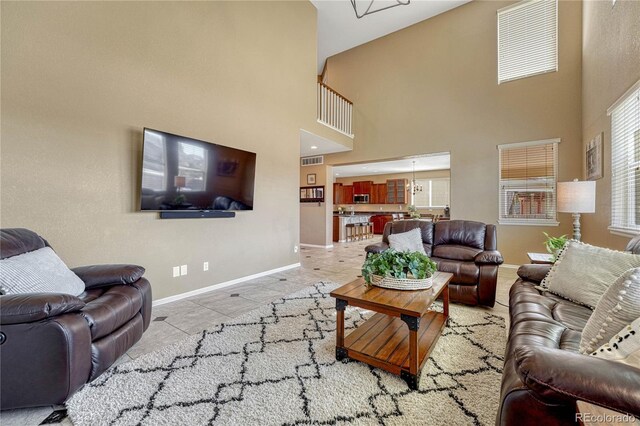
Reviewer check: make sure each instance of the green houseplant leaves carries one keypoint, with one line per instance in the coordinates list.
(554, 244)
(398, 264)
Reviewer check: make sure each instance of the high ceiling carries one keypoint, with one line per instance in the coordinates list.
(439, 161)
(339, 29)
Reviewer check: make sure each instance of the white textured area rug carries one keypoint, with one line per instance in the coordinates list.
(276, 366)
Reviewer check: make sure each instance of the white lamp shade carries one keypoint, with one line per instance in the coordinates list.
(577, 197)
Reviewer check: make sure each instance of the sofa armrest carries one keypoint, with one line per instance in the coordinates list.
(102, 275)
(376, 248)
(560, 376)
(30, 307)
(489, 257)
(533, 272)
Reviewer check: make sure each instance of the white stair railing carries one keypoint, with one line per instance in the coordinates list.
(334, 110)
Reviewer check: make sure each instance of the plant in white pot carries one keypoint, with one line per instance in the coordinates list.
(402, 270)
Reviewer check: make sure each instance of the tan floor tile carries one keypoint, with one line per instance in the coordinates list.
(158, 334)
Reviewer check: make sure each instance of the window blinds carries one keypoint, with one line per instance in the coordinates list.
(527, 39)
(435, 193)
(439, 192)
(625, 162)
(527, 189)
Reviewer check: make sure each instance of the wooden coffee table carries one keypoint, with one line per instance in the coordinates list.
(383, 341)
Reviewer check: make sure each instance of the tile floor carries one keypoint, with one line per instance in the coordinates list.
(174, 321)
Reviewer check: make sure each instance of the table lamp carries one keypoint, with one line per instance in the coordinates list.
(577, 197)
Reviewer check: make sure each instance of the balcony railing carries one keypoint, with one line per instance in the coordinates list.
(334, 110)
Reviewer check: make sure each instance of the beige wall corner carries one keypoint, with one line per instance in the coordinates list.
(610, 66)
(81, 79)
(433, 87)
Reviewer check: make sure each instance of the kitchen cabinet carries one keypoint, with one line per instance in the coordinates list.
(336, 229)
(347, 194)
(397, 191)
(338, 193)
(363, 187)
(379, 193)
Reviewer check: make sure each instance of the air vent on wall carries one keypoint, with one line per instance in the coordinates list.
(312, 161)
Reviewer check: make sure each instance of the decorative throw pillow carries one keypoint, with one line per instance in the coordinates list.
(624, 346)
(38, 271)
(407, 241)
(618, 306)
(583, 272)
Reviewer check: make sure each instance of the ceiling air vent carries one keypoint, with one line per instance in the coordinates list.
(312, 161)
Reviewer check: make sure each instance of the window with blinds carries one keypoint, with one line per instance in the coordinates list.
(625, 162)
(527, 190)
(527, 39)
(435, 193)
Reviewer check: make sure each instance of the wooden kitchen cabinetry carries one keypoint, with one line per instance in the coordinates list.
(397, 191)
(347, 194)
(337, 193)
(342, 194)
(363, 187)
(378, 193)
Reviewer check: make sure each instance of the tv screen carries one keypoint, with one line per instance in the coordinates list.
(180, 173)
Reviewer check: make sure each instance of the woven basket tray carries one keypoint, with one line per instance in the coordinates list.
(401, 283)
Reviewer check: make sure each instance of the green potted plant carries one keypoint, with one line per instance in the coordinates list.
(413, 212)
(403, 270)
(554, 244)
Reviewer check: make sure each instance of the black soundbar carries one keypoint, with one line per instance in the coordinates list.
(196, 214)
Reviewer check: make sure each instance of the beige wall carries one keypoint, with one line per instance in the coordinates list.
(81, 79)
(316, 219)
(610, 65)
(433, 87)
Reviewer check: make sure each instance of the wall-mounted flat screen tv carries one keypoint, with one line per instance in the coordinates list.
(181, 173)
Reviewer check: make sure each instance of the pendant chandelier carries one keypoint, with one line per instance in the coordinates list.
(415, 187)
(367, 7)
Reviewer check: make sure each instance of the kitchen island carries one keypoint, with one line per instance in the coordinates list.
(340, 222)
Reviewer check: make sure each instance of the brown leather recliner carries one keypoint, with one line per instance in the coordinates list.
(465, 248)
(51, 344)
(544, 375)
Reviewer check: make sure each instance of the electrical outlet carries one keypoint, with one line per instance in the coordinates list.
(205, 266)
(176, 271)
(183, 270)
(295, 249)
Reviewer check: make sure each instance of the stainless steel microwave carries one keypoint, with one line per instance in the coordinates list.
(361, 198)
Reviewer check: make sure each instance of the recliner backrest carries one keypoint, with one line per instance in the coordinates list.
(15, 241)
(460, 232)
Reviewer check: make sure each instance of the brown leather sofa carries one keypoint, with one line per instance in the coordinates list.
(465, 248)
(544, 375)
(51, 344)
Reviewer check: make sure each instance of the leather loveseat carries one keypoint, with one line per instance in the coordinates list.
(51, 344)
(465, 248)
(544, 375)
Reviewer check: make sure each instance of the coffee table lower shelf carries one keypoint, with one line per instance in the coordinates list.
(383, 341)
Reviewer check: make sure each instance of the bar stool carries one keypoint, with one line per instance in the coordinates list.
(359, 231)
(350, 231)
(368, 230)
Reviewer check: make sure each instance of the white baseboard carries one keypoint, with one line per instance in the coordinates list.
(221, 285)
(316, 246)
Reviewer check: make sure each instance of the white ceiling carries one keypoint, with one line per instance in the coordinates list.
(439, 161)
(339, 29)
(322, 145)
